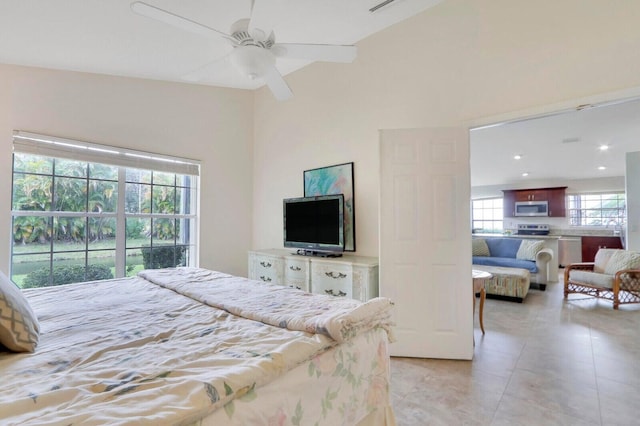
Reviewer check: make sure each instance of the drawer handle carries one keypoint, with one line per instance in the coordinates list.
(265, 279)
(340, 293)
(295, 268)
(334, 275)
(265, 264)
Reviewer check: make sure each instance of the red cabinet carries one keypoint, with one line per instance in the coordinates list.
(591, 245)
(554, 196)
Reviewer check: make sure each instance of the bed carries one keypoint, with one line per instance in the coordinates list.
(191, 346)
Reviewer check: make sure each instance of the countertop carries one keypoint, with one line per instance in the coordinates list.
(536, 237)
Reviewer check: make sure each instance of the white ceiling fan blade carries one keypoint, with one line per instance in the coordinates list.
(276, 83)
(316, 52)
(174, 20)
(261, 20)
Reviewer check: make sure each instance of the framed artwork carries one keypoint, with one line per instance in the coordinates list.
(332, 180)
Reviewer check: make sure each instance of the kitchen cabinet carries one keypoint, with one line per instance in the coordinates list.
(351, 276)
(591, 245)
(557, 202)
(532, 195)
(554, 196)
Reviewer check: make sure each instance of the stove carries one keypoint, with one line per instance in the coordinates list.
(528, 229)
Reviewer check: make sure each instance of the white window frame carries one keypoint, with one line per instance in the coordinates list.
(493, 209)
(616, 223)
(60, 148)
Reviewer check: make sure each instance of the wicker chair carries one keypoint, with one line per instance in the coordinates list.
(614, 275)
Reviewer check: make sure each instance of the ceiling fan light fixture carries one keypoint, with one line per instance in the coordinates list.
(252, 61)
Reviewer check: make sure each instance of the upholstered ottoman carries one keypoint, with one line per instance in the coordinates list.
(506, 283)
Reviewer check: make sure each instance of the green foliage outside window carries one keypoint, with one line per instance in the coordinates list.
(163, 257)
(66, 274)
(63, 208)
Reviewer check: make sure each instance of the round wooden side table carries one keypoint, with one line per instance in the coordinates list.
(478, 287)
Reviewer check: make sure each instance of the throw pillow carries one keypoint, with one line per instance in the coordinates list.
(19, 326)
(504, 247)
(602, 258)
(529, 249)
(479, 247)
(622, 259)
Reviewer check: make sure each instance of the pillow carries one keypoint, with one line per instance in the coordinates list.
(602, 258)
(622, 259)
(504, 247)
(19, 326)
(529, 249)
(479, 247)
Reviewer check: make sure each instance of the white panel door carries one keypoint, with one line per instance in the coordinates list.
(425, 240)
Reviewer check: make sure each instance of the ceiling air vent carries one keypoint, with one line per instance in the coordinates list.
(570, 140)
(380, 5)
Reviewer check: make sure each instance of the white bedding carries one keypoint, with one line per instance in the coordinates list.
(130, 351)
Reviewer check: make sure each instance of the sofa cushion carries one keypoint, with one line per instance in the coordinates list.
(479, 247)
(507, 262)
(529, 249)
(602, 258)
(592, 278)
(622, 259)
(503, 247)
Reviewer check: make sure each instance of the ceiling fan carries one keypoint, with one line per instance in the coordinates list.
(254, 50)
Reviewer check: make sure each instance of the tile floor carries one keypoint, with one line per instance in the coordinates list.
(543, 362)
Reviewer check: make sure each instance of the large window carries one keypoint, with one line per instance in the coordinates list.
(75, 220)
(487, 215)
(607, 210)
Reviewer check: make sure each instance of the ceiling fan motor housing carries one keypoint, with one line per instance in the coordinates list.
(252, 61)
(256, 37)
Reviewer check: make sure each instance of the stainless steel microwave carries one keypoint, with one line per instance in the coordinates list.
(532, 208)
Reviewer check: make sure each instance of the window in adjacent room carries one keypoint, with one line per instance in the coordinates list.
(84, 212)
(607, 210)
(487, 215)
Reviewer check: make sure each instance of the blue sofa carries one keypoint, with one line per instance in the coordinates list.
(509, 252)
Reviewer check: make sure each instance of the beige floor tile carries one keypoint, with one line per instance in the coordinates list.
(547, 361)
(516, 411)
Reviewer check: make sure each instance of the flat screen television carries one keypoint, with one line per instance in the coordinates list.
(315, 225)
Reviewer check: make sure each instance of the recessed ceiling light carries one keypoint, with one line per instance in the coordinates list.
(517, 157)
(604, 147)
(525, 174)
(602, 168)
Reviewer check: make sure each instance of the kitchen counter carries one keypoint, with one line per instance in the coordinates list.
(535, 237)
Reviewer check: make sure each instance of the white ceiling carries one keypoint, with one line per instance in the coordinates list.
(106, 37)
(562, 146)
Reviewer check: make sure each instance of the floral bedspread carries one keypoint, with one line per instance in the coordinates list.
(337, 317)
(129, 351)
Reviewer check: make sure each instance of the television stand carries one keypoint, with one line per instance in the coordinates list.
(303, 252)
(350, 276)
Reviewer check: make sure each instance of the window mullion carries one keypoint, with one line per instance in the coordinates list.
(121, 225)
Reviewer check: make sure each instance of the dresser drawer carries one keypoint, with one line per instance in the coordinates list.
(333, 279)
(296, 268)
(266, 268)
(296, 273)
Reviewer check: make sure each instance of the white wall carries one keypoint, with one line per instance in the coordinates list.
(632, 160)
(213, 125)
(451, 65)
